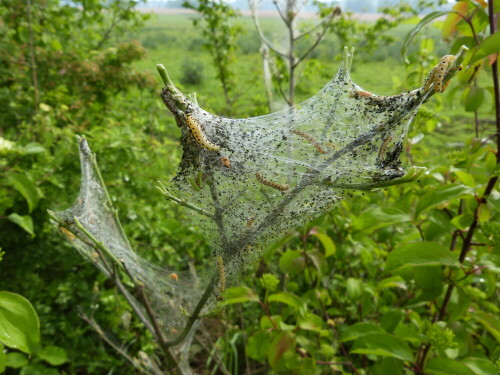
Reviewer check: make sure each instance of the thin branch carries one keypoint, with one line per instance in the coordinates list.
(182, 202)
(152, 317)
(34, 74)
(262, 37)
(119, 348)
(283, 18)
(214, 353)
(318, 39)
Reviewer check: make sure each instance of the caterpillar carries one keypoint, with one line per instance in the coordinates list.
(274, 185)
(197, 133)
(438, 73)
(357, 94)
(225, 161)
(222, 274)
(250, 222)
(383, 149)
(310, 139)
(68, 234)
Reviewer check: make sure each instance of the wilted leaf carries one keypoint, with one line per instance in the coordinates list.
(282, 343)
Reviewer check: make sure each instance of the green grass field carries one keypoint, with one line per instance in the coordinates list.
(172, 40)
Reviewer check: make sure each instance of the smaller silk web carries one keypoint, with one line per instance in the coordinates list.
(270, 173)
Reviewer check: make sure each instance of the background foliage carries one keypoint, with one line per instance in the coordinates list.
(360, 290)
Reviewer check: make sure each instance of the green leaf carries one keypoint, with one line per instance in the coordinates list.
(419, 254)
(473, 98)
(480, 366)
(319, 262)
(26, 187)
(3, 359)
(462, 221)
(292, 262)
(430, 282)
(354, 288)
(258, 345)
(54, 355)
(465, 178)
(424, 21)
(388, 366)
(311, 322)
(287, 298)
(327, 243)
(446, 366)
(283, 342)
(378, 217)
(440, 195)
(38, 369)
(24, 222)
(392, 282)
(32, 148)
(239, 294)
(487, 47)
(19, 324)
(359, 330)
(491, 323)
(16, 360)
(384, 345)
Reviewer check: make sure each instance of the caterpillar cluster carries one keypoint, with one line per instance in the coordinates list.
(438, 73)
(197, 133)
(274, 185)
(310, 139)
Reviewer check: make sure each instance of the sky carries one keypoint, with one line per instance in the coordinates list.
(361, 6)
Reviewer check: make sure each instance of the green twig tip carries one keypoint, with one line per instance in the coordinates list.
(163, 74)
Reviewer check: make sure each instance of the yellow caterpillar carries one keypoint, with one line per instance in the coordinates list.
(274, 185)
(383, 149)
(197, 133)
(310, 139)
(437, 74)
(222, 274)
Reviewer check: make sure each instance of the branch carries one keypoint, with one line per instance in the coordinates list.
(326, 21)
(283, 18)
(318, 39)
(253, 9)
(182, 202)
(119, 348)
